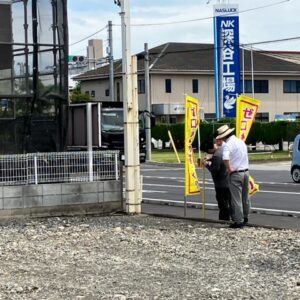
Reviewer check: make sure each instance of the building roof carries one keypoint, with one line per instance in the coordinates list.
(293, 56)
(193, 58)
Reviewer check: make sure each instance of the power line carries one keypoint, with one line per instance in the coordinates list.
(83, 39)
(285, 55)
(272, 41)
(206, 18)
(211, 46)
(200, 19)
(178, 22)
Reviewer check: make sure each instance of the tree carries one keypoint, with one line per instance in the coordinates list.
(77, 96)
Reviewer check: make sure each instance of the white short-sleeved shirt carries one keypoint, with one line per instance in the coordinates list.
(235, 150)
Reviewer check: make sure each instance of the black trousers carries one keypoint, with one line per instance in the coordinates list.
(223, 197)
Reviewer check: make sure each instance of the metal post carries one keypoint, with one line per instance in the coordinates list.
(252, 74)
(35, 170)
(201, 117)
(199, 151)
(221, 78)
(148, 105)
(203, 193)
(89, 139)
(130, 99)
(26, 47)
(116, 166)
(54, 31)
(243, 59)
(111, 62)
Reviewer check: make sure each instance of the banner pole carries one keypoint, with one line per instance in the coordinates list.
(203, 193)
(199, 152)
(173, 145)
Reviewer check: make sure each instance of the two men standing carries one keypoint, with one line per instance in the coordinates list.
(236, 162)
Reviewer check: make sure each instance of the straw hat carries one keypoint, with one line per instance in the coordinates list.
(223, 131)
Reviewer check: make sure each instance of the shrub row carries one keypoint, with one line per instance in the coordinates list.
(268, 133)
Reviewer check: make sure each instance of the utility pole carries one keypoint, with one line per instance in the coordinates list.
(111, 62)
(148, 104)
(131, 121)
(252, 72)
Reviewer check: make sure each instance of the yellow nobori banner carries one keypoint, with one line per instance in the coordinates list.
(192, 122)
(253, 187)
(245, 113)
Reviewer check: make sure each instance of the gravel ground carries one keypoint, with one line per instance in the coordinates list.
(143, 257)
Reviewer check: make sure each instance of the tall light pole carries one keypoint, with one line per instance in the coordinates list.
(131, 122)
(111, 62)
(148, 104)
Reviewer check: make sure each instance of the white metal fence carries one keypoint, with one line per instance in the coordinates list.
(35, 168)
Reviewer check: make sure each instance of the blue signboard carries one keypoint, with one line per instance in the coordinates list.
(227, 60)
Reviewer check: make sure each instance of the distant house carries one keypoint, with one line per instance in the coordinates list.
(177, 69)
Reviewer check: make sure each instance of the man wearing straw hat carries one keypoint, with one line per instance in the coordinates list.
(235, 157)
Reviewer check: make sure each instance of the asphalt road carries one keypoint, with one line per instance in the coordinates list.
(278, 194)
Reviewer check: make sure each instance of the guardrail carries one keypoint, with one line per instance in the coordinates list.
(57, 167)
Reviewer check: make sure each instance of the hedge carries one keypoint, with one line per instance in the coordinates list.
(268, 133)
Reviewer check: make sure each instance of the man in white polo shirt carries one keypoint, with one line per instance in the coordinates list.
(235, 157)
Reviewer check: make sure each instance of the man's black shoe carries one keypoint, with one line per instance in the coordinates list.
(245, 221)
(236, 225)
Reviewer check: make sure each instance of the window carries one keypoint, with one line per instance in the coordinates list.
(118, 92)
(210, 116)
(260, 86)
(87, 93)
(141, 86)
(195, 86)
(296, 114)
(107, 92)
(163, 119)
(262, 117)
(173, 119)
(168, 86)
(93, 94)
(291, 113)
(291, 86)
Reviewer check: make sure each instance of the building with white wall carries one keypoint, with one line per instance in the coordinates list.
(177, 69)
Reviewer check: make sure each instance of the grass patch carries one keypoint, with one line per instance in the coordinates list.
(169, 156)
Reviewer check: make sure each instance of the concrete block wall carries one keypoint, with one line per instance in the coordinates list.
(61, 199)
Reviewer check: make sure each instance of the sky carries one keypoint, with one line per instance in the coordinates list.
(260, 20)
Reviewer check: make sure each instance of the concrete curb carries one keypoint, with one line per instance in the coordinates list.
(211, 221)
(214, 207)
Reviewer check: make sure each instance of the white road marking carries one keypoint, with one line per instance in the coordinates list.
(164, 169)
(151, 191)
(180, 179)
(260, 191)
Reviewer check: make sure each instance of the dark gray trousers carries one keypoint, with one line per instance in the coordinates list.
(239, 188)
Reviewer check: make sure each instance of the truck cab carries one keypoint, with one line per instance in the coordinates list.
(107, 128)
(295, 167)
(112, 131)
